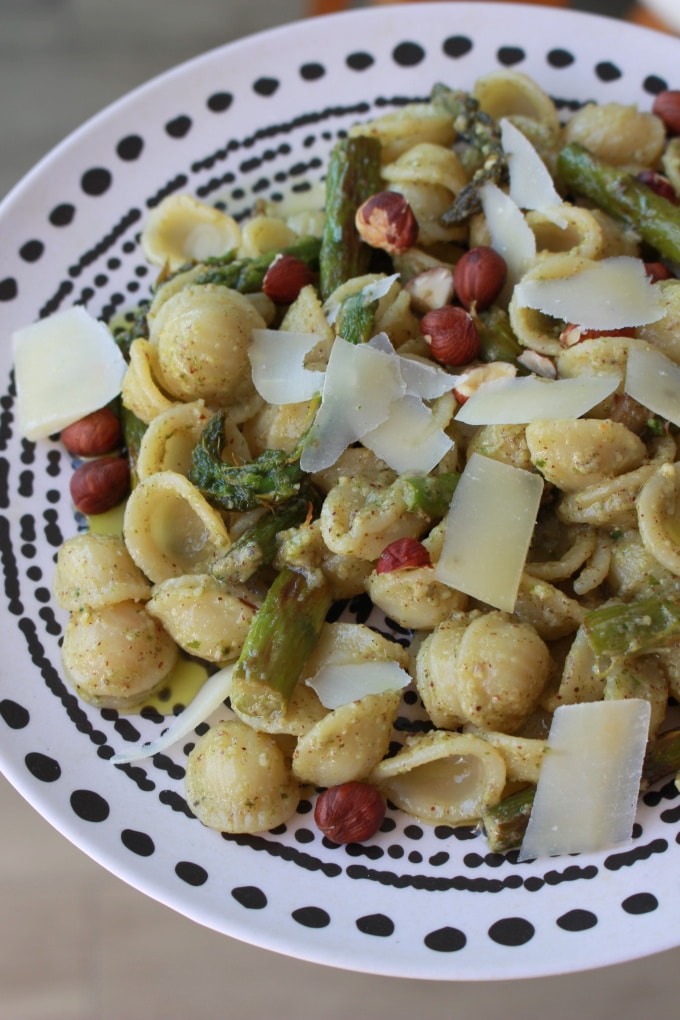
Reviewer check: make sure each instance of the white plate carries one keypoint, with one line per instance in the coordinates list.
(254, 118)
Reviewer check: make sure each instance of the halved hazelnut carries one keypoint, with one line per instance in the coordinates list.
(431, 289)
(386, 221)
(479, 276)
(478, 375)
(451, 334)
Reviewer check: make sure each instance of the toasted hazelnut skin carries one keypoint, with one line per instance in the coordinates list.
(285, 278)
(479, 276)
(349, 813)
(451, 334)
(401, 554)
(659, 184)
(96, 433)
(386, 221)
(666, 106)
(99, 485)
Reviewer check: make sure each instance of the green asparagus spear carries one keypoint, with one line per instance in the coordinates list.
(654, 218)
(430, 493)
(505, 824)
(257, 546)
(273, 477)
(496, 337)
(133, 430)
(283, 634)
(246, 274)
(483, 152)
(356, 318)
(628, 628)
(662, 758)
(353, 176)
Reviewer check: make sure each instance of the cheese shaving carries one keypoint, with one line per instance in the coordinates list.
(277, 361)
(339, 683)
(531, 185)
(525, 399)
(511, 235)
(654, 381)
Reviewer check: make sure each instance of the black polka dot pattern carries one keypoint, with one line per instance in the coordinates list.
(434, 899)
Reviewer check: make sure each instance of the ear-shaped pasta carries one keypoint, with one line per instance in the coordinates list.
(622, 135)
(632, 569)
(580, 680)
(97, 570)
(304, 547)
(508, 93)
(262, 234)
(115, 656)
(582, 235)
(427, 163)
(168, 442)
(276, 427)
(401, 129)
(551, 612)
(533, 328)
(206, 618)
(443, 778)
(182, 229)
(201, 337)
(170, 529)
(429, 202)
(506, 443)
(140, 391)
(238, 781)
(348, 742)
(490, 671)
(358, 521)
(577, 452)
(657, 516)
(523, 756)
(414, 598)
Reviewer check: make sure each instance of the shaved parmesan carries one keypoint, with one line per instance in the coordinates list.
(211, 695)
(524, 399)
(511, 235)
(531, 186)
(589, 783)
(338, 684)
(608, 294)
(277, 361)
(66, 366)
(488, 531)
(410, 440)
(654, 381)
(360, 386)
(422, 378)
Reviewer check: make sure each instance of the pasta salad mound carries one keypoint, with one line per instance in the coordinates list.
(450, 385)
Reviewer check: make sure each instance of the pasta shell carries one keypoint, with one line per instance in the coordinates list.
(97, 570)
(443, 778)
(182, 229)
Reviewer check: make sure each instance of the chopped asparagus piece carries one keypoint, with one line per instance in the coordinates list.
(283, 634)
(356, 318)
(628, 628)
(246, 274)
(505, 824)
(483, 151)
(621, 195)
(662, 758)
(496, 337)
(353, 176)
(430, 493)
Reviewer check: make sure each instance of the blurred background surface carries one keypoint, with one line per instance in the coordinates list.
(77, 943)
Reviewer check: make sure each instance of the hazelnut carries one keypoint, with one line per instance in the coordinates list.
(451, 334)
(402, 554)
(479, 276)
(659, 184)
(97, 433)
(666, 106)
(350, 813)
(657, 271)
(431, 289)
(285, 278)
(386, 220)
(99, 485)
(479, 375)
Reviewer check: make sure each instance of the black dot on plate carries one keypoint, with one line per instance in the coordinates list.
(408, 54)
(312, 72)
(8, 289)
(606, 71)
(445, 940)
(509, 55)
(62, 215)
(311, 917)
(640, 903)
(130, 148)
(219, 102)
(560, 58)
(376, 924)
(44, 768)
(577, 920)
(13, 714)
(359, 61)
(457, 46)
(512, 931)
(192, 874)
(89, 806)
(31, 251)
(137, 842)
(250, 897)
(178, 127)
(653, 84)
(96, 181)
(265, 86)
